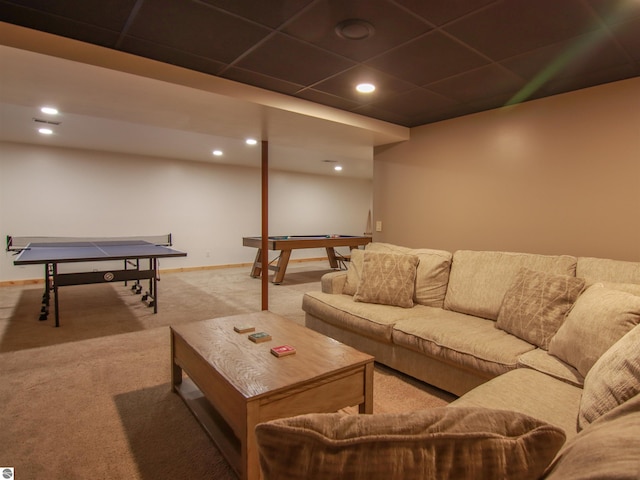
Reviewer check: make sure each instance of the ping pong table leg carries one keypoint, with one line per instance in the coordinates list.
(54, 275)
(154, 266)
(44, 310)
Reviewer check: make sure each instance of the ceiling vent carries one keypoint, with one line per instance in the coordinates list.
(354, 29)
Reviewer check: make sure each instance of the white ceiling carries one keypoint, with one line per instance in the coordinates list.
(126, 104)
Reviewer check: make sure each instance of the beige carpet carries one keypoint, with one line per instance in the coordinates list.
(91, 399)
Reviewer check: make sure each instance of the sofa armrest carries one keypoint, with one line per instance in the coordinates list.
(333, 282)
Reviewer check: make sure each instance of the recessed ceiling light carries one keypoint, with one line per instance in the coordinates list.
(49, 110)
(251, 141)
(217, 153)
(365, 87)
(337, 168)
(45, 131)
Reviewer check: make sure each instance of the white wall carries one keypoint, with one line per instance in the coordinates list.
(207, 207)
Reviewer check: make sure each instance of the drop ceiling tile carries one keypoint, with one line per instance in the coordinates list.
(344, 84)
(384, 115)
(111, 15)
(416, 102)
(484, 82)
(516, 26)
(171, 56)
(282, 56)
(627, 34)
(196, 29)
(262, 81)
(615, 11)
(392, 26)
(565, 59)
(61, 25)
(326, 99)
(588, 79)
(272, 13)
(432, 57)
(440, 13)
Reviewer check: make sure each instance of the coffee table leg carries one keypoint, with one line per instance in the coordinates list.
(367, 406)
(176, 370)
(250, 458)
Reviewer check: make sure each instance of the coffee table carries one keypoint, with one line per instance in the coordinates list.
(231, 384)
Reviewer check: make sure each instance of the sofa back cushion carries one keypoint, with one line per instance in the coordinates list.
(599, 318)
(432, 273)
(479, 279)
(604, 270)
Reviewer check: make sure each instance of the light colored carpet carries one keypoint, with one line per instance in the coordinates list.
(92, 398)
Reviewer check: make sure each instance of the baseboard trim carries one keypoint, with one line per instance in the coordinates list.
(35, 281)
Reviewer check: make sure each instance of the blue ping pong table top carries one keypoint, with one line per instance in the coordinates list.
(83, 251)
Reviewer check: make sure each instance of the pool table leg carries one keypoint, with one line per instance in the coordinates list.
(257, 265)
(331, 255)
(281, 268)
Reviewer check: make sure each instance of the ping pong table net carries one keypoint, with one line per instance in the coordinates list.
(17, 244)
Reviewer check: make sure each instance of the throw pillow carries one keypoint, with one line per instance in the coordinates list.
(440, 443)
(606, 449)
(388, 279)
(353, 272)
(599, 318)
(613, 379)
(536, 303)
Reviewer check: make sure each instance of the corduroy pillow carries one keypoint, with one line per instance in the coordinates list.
(536, 304)
(387, 278)
(613, 379)
(439, 443)
(600, 317)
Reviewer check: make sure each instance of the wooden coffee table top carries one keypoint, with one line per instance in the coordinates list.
(251, 368)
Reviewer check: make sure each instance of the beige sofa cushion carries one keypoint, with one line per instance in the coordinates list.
(606, 449)
(470, 342)
(595, 270)
(387, 278)
(530, 392)
(432, 274)
(598, 319)
(479, 280)
(536, 303)
(371, 320)
(542, 361)
(440, 443)
(613, 379)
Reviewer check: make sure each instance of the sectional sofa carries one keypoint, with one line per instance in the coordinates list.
(547, 338)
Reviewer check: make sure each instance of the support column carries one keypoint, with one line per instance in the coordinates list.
(265, 225)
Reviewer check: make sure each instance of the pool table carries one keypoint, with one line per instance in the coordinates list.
(287, 243)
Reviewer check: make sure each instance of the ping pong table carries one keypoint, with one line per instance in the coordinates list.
(53, 252)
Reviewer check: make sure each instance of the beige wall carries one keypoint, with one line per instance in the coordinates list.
(559, 175)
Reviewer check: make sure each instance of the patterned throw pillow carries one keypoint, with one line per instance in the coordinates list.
(536, 303)
(388, 279)
(600, 317)
(435, 444)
